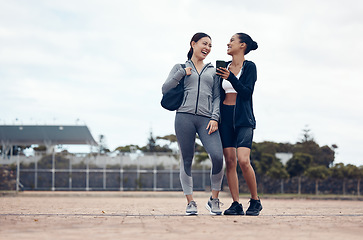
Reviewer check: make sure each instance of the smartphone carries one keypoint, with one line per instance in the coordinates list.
(220, 63)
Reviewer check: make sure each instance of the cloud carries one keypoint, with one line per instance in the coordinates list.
(104, 62)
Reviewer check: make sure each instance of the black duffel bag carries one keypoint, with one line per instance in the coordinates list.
(173, 98)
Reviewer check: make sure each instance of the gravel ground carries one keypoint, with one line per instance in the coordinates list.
(160, 215)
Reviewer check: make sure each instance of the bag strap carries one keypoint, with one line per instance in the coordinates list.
(182, 80)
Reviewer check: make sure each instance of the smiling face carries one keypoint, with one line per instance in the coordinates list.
(234, 45)
(202, 48)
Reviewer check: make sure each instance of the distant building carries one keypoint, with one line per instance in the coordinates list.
(284, 157)
(47, 135)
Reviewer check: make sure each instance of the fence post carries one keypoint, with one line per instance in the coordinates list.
(70, 173)
(155, 176)
(104, 175)
(17, 173)
(121, 174)
(171, 177)
(203, 177)
(138, 179)
(87, 173)
(35, 173)
(53, 170)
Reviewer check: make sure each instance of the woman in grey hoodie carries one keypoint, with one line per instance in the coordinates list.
(199, 113)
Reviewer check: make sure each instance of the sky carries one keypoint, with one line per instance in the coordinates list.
(102, 63)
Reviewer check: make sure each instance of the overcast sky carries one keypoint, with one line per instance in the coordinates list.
(102, 63)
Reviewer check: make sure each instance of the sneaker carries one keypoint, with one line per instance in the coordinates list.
(213, 206)
(235, 209)
(192, 208)
(254, 208)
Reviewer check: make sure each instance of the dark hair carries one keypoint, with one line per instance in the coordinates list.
(251, 45)
(196, 38)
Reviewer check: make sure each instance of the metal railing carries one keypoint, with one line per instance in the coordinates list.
(103, 173)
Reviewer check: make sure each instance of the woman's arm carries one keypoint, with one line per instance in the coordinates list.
(216, 99)
(175, 75)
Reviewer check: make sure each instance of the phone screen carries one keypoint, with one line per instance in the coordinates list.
(220, 63)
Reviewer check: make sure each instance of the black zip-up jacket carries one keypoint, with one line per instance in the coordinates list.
(244, 86)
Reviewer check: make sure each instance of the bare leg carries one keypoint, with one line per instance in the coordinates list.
(189, 198)
(247, 170)
(232, 178)
(215, 194)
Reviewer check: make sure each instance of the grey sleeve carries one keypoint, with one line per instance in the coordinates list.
(175, 75)
(216, 98)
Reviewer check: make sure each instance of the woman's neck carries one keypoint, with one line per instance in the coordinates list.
(197, 62)
(237, 60)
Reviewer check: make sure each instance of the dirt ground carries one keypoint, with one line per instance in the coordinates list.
(160, 215)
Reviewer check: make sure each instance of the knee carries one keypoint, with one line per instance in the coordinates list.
(216, 156)
(231, 162)
(217, 163)
(244, 162)
(186, 166)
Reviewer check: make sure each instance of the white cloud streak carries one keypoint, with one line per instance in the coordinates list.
(104, 62)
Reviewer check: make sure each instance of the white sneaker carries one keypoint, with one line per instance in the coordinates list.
(192, 208)
(213, 206)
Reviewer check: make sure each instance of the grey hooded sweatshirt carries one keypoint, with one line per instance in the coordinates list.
(201, 90)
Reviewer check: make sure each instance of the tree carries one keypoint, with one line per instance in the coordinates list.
(297, 165)
(326, 156)
(262, 165)
(269, 165)
(269, 147)
(278, 171)
(307, 136)
(317, 173)
(40, 148)
(102, 148)
(127, 148)
(171, 138)
(354, 172)
(200, 157)
(322, 155)
(340, 171)
(359, 178)
(151, 143)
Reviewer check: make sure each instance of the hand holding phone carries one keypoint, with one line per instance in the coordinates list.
(223, 73)
(220, 63)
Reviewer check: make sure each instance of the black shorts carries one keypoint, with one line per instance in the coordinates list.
(231, 136)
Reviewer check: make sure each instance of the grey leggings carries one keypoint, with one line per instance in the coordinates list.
(186, 126)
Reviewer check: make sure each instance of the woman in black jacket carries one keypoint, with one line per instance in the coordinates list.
(238, 121)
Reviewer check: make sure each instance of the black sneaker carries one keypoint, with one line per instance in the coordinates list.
(235, 209)
(254, 208)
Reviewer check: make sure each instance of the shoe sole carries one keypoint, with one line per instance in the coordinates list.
(191, 213)
(253, 213)
(210, 210)
(234, 214)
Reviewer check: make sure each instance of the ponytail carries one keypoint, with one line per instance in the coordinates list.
(190, 53)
